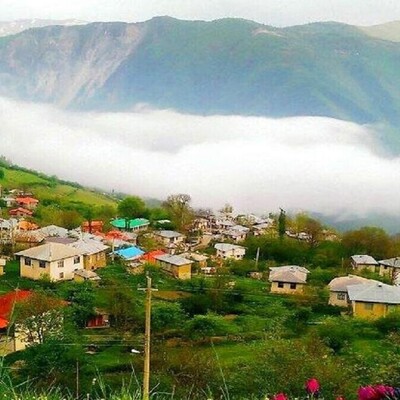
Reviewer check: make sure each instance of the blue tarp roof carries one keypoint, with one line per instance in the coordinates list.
(129, 252)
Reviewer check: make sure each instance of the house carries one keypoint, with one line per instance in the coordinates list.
(391, 268)
(24, 225)
(20, 212)
(93, 252)
(9, 341)
(170, 237)
(28, 239)
(231, 251)
(54, 231)
(27, 202)
(178, 267)
(56, 261)
(10, 201)
(83, 275)
(373, 301)
(2, 265)
(289, 279)
(150, 256)
(129, 254)
(364, 262)
(101, 319)
(92, 226)
(338, 295)
(199, 260)
(125, 224)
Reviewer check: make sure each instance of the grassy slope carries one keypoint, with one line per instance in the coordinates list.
(44, 188)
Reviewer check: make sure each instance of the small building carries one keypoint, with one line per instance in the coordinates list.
(54, 231)
(289, 279)
(129, 254)
(374, 301)
(28, 239)
(93, 252)
(126, 224)
(364, 262)
(24, 225)
(199, 260)
(92, 226)
(230, 251)
(338, 295)
(10, 201)
(56, 261)
(176, 266)
(2, 265)
(83, 275)
(150, 256)
(101, 319)
(170, 237)
(390, 267)
(20, 212)
(27, 202)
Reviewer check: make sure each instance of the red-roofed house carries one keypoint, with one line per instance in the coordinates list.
(20, 212)
(150, 256)
(27, 202)
(92, 226)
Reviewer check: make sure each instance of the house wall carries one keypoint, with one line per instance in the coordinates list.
(235, 254)
(94, 261)
(385, 270)
(338, 299)
(286, 288)
(182, 272)
(52, 270)
(363, 309)
(366, 267)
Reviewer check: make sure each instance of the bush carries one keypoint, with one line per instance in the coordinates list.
(389, 324)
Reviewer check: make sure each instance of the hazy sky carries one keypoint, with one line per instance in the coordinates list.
(256, 164)
(273, 12)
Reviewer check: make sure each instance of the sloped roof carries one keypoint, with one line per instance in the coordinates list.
(341, 283)
(288, 276)
(150, 256)
(129, 224)
(27, 226)
(174, 260)
(129, 253)
(168, 234)
(20, 210)
(89, 246)
(27, 200)
(228, 247)
(290, 268)
(30, 237)
(8, 300)
(194, 256)
(86, 274)
(375, 293)
(50, 252)
(364, 259)
(54, 230)
(391, 262)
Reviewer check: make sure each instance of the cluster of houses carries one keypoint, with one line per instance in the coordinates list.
(19, 203)
(366, 298)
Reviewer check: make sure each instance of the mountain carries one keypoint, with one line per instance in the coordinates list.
(227, 66)
(14, 27)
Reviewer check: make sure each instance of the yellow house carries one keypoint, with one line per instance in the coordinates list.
(56, 261)
(338, 295)
(289, 279)
(374, 301)
(93, 253)
(178, 267)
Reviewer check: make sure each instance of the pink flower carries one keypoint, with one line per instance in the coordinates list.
(340, 398)
(367, 393)
(384, 391)
(280, 396)
(312, 386)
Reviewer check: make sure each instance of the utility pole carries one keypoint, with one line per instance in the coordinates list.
(77, 379)
(257, 257)
(146, 367)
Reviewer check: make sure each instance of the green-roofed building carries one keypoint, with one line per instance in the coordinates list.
(125, 224)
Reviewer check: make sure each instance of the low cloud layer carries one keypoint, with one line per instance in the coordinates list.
(257, 164)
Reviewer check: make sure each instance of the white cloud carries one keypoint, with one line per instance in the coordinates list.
(273, 12)
(257, 164)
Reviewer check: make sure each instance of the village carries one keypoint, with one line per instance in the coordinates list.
(214, 279)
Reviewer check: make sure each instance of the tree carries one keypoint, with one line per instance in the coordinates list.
(310, 226)
(132, 207)
(39, 317)
(226, 210)
(178, 207)
(282, 223)
(1, 173)
(81, 296)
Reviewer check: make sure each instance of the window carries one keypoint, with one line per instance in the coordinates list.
(42, 264)
(341, 296)
(61, 275)
(280, 285)
(77, 260)
(60, 264)
(368, 306)
(293, 286)
(28, 261)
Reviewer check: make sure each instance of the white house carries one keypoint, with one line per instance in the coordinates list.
(56, 261)
(233, 251)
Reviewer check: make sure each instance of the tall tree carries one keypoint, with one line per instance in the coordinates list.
(132, 207)
(178, 207)
(282, 223)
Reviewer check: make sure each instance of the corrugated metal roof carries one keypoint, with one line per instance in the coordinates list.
(391, 262)
(228, 247)
(169, 234)
(89, 246)
(341, 283)
(375, 293)
(174, 260)
(50, 252)
(364, 259)
(129, 253)
(123, 223)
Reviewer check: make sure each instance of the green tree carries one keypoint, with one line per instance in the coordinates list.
(178, 207)
(81, 297)
(282, 223)
(132, 207)
(1, 173)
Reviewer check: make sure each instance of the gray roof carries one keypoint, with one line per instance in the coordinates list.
(194, 256)
(290, 268)
(50, 252)
(174, 260)
(54, 230)
(288, 276)
(340, 283)
(364, 259)
(391, 262)
(169, 234)
(375, 293)
(86, 274)
(62, 240)
(89, 246)
(228, 247)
